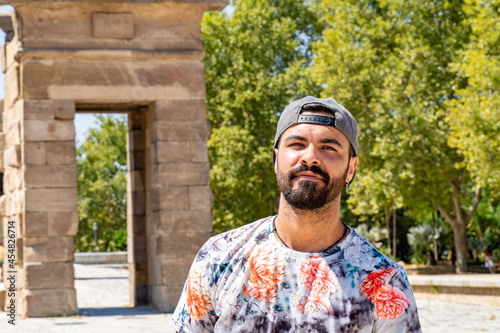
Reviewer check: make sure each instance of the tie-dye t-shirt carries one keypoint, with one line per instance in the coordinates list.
(245, 280)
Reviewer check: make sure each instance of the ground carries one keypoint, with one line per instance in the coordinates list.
(102, 294)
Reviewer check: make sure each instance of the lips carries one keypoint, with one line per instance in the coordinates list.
(308, 176)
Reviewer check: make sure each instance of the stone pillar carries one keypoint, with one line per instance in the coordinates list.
(136, 208)
(180, 219)
(140, 57)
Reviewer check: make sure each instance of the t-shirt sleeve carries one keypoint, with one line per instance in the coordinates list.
(395, 307)
(195, 310)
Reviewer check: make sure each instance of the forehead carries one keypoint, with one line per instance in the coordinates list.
(314, 132)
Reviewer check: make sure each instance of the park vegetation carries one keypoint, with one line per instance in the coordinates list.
(421, 77)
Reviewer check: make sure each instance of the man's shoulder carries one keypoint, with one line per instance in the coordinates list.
(223, 246)
(368, 258)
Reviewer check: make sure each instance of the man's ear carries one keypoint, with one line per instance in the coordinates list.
(275, 161)
(353, 164)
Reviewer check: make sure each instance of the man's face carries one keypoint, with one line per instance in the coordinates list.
(313, 165)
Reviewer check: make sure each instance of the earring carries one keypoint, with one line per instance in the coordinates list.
(347, 187)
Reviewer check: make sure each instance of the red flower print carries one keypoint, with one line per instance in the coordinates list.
(266, 272)
(311, 304)
(390, 302)
(318, 278)
(198, 299)
(376, 280)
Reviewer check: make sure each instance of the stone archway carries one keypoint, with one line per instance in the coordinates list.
(146, 58)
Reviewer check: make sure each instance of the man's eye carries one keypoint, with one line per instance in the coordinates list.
(329, 148)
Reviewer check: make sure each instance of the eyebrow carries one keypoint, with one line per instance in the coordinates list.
(327, 140)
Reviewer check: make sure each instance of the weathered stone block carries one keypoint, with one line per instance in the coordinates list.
(113, 25)
(33, 152)
(115, 80)
(138, 224)
(178, 221)
(12, 156)
(64, 110)
(137, 248)
(50, 176)
(200, 197)
(137, 203)
(179, 244)
(171, 198)
(61, 152)
(48, 275)
(47, 302)
(62, 223)
(136, 140)
(181, 174)
(3, 60)
(180, 110)
(165, 298)
(3, 206)
(48, 249)
(12, 85)
(13, 179)
(48, 130)
(51, 200)
(180, 130)
(32, 109)
(35, 224)
(174, 271)
(198, 151)
(135, 180)
(12, 133)
(172, 151)
(11, 115)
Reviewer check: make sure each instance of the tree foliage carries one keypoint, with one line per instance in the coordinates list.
(393, 63)
(256, 63)
(102, 186)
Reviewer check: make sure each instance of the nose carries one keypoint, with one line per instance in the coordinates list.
(310, 156)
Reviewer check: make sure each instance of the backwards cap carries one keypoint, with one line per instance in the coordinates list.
(343, 120)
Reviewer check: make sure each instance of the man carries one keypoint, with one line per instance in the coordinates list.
(303, 270)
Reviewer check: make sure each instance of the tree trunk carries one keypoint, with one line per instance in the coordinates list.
(394, 233)
(387, 220)
(459, 221)
(461, 246)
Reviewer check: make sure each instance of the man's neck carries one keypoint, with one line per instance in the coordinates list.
(309, 230)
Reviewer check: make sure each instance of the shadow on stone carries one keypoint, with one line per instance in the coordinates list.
(118, 311)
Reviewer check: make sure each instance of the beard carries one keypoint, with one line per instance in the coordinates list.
(310, 195)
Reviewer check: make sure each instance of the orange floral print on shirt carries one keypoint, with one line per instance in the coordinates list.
(376, 280)
(318, 278)
(320, 281)
(389, 301)
(266, 272)
(198, 299)
(311, 304)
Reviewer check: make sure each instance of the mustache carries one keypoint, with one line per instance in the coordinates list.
(313, 168)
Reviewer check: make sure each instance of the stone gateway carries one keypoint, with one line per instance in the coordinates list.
(143, 58)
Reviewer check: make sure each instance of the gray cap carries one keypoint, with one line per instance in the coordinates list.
(343, 120)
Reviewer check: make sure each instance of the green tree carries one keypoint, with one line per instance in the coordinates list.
(256, 63)
(102, 186)
(475, 117)
(390, 63)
